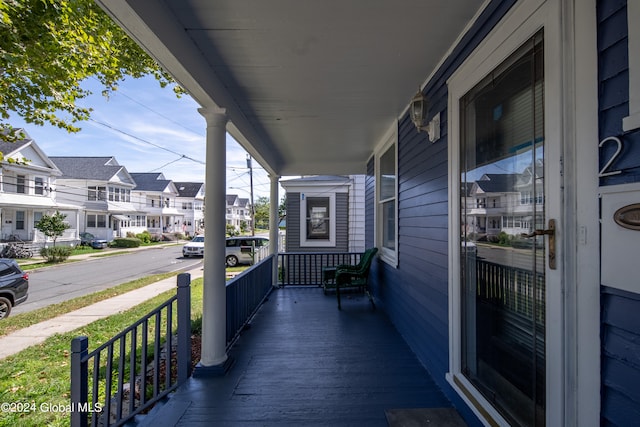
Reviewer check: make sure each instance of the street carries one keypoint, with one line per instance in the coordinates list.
(60, 283)
(508, 256)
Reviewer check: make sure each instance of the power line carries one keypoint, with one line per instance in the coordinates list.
(108, 126)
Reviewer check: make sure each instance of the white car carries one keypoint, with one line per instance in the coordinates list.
(194, 248)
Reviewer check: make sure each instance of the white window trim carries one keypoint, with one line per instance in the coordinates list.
(632, 121)
(317, 243)
(390, 138)
(519, 25)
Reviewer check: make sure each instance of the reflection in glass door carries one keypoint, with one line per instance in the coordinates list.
(502, 272)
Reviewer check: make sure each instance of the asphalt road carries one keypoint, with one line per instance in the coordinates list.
(52, 285)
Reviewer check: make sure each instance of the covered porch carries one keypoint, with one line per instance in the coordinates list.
(304, 362)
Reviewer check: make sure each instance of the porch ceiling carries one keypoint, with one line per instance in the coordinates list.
(309, 87)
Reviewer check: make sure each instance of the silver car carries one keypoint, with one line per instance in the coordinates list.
(241, 250)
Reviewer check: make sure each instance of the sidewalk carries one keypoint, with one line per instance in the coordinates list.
(37, 259)
(35, 334)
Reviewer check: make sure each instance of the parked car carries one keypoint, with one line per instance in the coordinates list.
(14, 286)
(194, 248)
(88, 239)
(240, 250)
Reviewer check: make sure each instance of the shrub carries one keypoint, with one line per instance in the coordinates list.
(232, 231)
(126, 242)
(145, 237)
(504, 238)
(56, 253)
(493, 239)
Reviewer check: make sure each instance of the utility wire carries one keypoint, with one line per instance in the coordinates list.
(108, 126)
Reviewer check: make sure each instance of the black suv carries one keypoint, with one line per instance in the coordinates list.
(14, 286)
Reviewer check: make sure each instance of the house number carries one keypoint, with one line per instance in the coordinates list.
(604, 171)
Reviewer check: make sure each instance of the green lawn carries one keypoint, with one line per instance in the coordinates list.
(40, 375)
(23, 320)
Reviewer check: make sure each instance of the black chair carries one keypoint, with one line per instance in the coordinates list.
(355, 276)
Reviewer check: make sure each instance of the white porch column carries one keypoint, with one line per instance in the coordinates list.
(274, 220)
(214, 308)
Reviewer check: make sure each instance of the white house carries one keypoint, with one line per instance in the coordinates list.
(103, 188)
(190, 200)
(238, 211)
(156, 197)
(28, 191)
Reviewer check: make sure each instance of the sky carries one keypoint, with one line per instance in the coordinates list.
(148, 129)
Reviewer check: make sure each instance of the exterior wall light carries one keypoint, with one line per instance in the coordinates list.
(418, 111)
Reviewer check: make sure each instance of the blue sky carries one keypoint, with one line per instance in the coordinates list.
(138, 119)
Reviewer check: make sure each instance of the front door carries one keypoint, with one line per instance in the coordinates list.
(502, 262)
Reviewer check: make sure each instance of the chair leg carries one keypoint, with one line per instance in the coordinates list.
(373, 304)
(338, 296)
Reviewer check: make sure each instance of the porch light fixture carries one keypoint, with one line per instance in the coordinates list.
(418, 111)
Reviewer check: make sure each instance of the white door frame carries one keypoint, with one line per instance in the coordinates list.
(559, 18)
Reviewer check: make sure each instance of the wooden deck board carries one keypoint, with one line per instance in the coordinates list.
(303, 362)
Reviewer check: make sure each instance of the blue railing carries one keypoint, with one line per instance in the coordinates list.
(129, 373)
(245, 294)
(305, 268)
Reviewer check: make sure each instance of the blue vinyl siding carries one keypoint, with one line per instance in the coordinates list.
(620, 358)
(620, 355)
(415, 294)
(613, 77)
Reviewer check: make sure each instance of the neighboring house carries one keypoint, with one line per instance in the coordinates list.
(502, 203)
(540, 336)
(190, 200)
(28, 191)
(325, 214)
(156, 196)
(238, 212)
(103, 188)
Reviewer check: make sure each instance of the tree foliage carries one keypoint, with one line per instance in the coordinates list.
(53, 226)
(48, 47)
(262, 211)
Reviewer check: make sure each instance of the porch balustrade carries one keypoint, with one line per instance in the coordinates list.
(305, 268)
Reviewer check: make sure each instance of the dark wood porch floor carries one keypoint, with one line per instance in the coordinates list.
(305, 363)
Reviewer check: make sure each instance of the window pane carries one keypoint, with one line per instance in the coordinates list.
(388, 174)
(20, 182)
(37, 216)
(39, 186)
(389, 224)
(20, 220)
(318, 218)
(502, 292)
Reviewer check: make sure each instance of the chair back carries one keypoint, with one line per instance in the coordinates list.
(365, 261)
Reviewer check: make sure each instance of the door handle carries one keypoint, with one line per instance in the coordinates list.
(551, 232)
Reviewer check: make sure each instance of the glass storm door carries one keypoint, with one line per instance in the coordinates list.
(502, 271)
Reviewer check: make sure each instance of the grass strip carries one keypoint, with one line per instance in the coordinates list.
(23, 320)
(38, 378)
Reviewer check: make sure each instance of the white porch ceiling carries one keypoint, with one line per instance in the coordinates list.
(310, 87)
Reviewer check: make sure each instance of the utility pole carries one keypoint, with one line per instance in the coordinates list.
(253, 211)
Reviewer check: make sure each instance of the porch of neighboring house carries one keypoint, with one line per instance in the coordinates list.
(304, 362)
